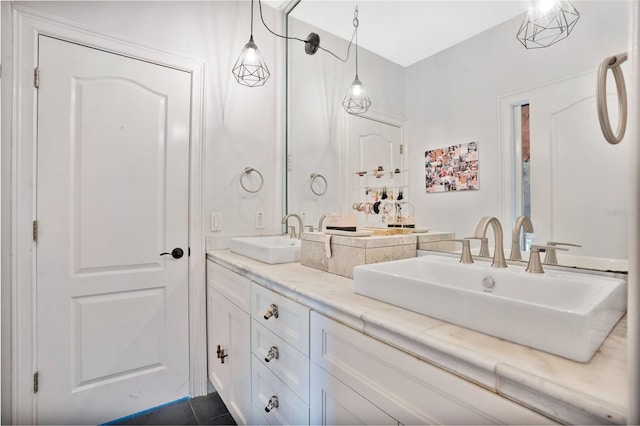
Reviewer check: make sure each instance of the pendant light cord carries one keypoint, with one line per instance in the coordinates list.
(252, 19)
(304, 41)
(356, 22)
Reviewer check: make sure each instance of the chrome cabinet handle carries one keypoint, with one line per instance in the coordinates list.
(176, 253)
(272, 354)
(273, 403)
(272, 311)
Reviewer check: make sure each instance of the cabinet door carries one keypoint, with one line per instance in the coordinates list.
(333, 403)
(229, 327)
(411, 390)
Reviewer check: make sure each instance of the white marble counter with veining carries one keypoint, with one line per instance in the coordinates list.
(567, 391)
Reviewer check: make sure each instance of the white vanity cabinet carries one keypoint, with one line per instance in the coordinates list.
(229, 326)
(398, 385)
(285, 364)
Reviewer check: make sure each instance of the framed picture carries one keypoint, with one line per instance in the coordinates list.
(454, 168)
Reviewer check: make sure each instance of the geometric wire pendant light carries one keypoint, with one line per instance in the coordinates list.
(547, 22)
(250, 69)
(356, 100)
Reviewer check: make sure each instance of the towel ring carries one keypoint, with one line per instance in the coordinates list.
(613, 63)
(314, 177)
(247, 171)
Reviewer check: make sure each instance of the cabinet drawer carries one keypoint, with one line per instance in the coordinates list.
(408, 389)
(291, 366)
(292, 322)
(234, 287)
(265, 385)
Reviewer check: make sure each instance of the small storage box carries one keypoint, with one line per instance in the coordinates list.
(348, 252)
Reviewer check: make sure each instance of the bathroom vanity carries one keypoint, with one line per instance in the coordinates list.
(298, 346)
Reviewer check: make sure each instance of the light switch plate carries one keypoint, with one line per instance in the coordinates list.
(215, 220)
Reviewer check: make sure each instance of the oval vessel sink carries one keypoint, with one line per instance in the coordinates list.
(564, 313)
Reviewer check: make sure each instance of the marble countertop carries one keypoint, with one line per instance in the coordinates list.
(567, 391)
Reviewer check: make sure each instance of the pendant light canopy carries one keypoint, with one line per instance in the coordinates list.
(356, 100)
(250, 68)
(547, 22)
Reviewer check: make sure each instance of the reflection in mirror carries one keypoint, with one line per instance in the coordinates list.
(561, 172)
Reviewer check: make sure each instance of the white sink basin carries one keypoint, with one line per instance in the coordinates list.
(270, 249)
(564, 313)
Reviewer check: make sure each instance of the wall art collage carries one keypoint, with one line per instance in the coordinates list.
(454, 168)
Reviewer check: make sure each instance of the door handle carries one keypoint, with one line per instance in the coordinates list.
(177, 253)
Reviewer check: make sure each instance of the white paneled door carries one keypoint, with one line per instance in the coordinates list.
(112, 195)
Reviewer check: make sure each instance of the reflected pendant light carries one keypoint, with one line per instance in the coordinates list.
(250, 68)
(547, 22)
(356, 101)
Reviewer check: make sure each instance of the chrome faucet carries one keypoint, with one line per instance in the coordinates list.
(292, 229)
(550, 257)
(320, 222)
(498, 249)
(534, 266)
(523, 223)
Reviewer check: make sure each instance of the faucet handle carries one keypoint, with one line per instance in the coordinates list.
(555, 243)
(550, 257)
(535, 266)
(310, 228)
(484, 245)
(466, 256)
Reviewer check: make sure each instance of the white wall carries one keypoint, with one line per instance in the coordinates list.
(317, 120)
(452, 97)
(240, 122)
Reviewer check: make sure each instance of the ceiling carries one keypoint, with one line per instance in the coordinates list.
(407, 31)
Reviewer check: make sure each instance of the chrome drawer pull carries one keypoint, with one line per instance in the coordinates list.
(272, 354)
(272, 311)
(273, 403)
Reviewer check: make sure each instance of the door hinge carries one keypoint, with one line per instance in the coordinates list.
(35, 231)
(36, 78)
(401, 148)
(35, 382)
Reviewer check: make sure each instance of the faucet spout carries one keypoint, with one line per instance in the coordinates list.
(320, 222)
(300, 225)
(480, 231)
(523, 223)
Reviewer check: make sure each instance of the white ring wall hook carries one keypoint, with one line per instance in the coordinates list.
(247, 171)
(613, 63)
(314, 177)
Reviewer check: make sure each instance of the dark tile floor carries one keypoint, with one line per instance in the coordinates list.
(203, 410)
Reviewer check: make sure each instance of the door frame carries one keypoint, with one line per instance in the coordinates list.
(27, 26)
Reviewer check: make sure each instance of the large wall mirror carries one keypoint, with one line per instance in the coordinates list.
(463, 77)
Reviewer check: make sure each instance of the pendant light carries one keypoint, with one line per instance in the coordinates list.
(356, 101)
(547, 22)
(250, 68)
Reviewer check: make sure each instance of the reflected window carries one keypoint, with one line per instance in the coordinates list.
(522, 168)
(525, 160)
